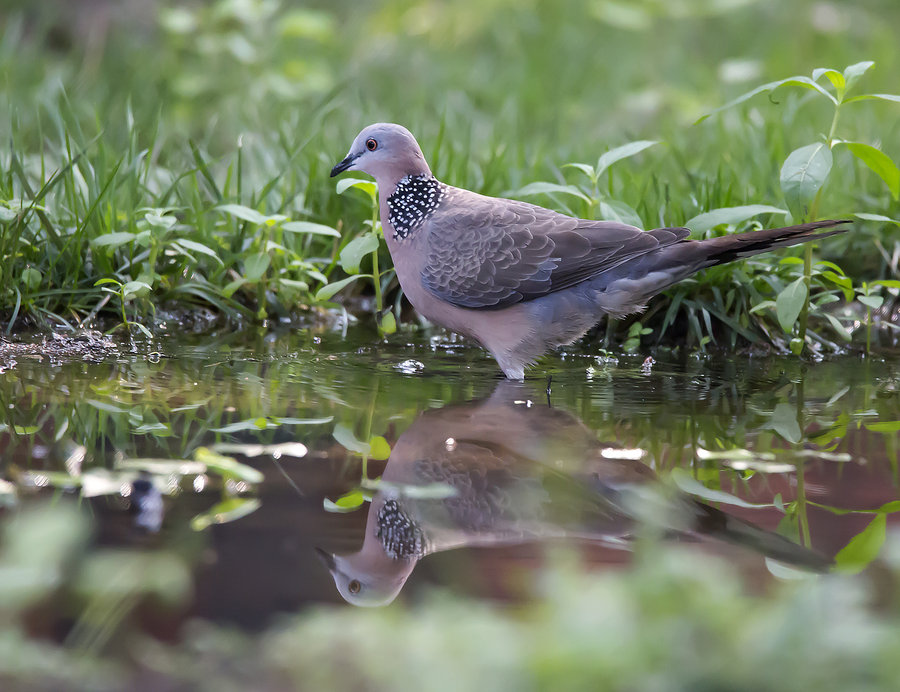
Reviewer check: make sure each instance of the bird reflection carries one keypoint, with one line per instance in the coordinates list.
(508, 470)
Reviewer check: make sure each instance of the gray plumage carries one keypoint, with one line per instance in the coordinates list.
(515, 471)
(518, 278)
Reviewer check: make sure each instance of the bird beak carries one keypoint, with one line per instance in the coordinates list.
(326, 558)
(345, 164)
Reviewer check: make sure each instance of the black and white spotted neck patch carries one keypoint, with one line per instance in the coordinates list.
(414, 199)
(399, 535)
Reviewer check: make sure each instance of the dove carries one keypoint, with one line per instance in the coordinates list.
(506, 470)
(518, 278)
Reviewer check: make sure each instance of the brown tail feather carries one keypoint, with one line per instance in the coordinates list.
(731, 247)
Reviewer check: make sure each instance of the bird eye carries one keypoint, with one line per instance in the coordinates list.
(354, 586)
(371, 144)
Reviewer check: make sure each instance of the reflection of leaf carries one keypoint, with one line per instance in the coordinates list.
(348, 441)
(784, 422)
(379, 448)
(226, 466)
(254, 424)
(863, 547)
(347, 502)
(886, 426)
(229, 510)
(686, 483)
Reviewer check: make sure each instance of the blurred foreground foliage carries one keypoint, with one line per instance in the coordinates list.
(674, 622)
(159, 158)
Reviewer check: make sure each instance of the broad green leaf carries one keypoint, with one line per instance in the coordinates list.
(309, 227)
(863, 548)
(542, 188)
(388, 323)
(803, 174)
(242, 212)
(873, 302)
(367, 186)
(32, 278)
(838, 327)
(623, 152)
(836, 78)
(348, 441)
(844, 282)
(730, 216)
(159, 220)
(199, 247)
(801, 81)
(784, 422)
(136, 288)
(613, 210)
(355, 250)
(877, 217)
(853, 72)
(880, 163)
(113, 240)
(328, 290)
(583, 167)
(347, 502)
(379, 448)
(7, 214)
(255, 266)
(789, 303)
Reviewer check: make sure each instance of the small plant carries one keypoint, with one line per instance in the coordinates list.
(806, 170)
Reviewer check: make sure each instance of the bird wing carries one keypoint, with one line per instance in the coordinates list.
(488, 253)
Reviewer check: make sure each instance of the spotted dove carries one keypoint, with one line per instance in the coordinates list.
(518, 278)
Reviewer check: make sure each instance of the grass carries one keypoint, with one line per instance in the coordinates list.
(181, 161)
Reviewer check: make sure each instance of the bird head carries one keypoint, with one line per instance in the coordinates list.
(365, 579)
(385, 151)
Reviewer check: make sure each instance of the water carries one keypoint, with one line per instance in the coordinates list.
(263, 460)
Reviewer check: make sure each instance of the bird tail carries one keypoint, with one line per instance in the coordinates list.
(709, 521)
(738, 245)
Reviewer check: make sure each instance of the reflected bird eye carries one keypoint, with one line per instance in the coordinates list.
(354, 587)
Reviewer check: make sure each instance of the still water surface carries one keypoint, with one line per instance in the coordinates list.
(297, 468)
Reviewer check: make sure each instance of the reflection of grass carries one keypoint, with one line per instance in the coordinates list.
(676, 621)
(202, 173)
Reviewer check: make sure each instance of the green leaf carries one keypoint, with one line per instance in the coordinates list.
(784, 422)
(355, 250)
(228, 466)
(542, 188)
(583, 167)
(379, 448)
(367, 186)
(388, 323)
(803, 174)
(844, 282)
(255, 266)
(328, 290)
(875, 97)
(880, 163)
(348, 441)
(32, 278)
(853, 72)
(112, 240)
(730, 216)
(310, 228)
(159, 220)
(347, 502)
(226, 511)
(690, 485)
(614, 210)
(789, 303)
(135, 289)
(800, 81)
(877, 217)
(7, 215)
(623, 152)
(836, 78)
(883, 426)
(242, 212)
(873, 302)
(838, 327)
(863, 548)
(199, 247)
